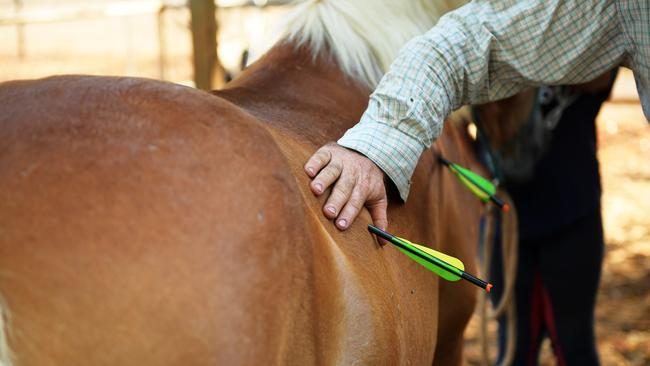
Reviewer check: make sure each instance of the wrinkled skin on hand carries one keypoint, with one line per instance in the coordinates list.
(356, 180)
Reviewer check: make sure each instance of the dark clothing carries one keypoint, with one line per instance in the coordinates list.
(555, 293)
(561, 244)
(566, 183)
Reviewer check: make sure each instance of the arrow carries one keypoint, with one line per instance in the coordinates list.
(480, 186)
(445, 266)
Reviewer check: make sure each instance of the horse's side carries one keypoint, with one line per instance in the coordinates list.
(306, 104)
(146, 223)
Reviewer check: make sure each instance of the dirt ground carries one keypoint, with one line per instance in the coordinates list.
(129, 46)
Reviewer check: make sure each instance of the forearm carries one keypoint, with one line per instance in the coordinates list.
(483, 51)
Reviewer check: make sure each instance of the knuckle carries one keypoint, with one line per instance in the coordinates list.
(363, 191)
(341, 193)
(320, 159)
(347, 186)
(367, 163)
(328, 175)
(317, 160)
(336, 165)
(324, 174)
(357, 201)
(364, 183)
(377, 183)
(331, 173)
(378, 192)
(322, 154)
(339, 196)
(356, 205)
(380, 202)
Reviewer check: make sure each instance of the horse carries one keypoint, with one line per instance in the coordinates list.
(147, 223)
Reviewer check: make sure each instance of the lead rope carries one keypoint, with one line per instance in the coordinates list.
(506, 305)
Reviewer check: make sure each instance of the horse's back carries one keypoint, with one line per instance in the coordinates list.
(129, 232)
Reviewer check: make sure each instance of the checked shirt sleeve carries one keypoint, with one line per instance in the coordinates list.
(483, 51)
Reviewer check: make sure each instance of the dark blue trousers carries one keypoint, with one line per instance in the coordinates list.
(561, 244)
(555, 293)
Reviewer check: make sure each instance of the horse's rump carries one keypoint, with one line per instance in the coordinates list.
(130, 230)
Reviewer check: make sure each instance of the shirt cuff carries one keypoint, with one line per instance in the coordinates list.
(393, 151)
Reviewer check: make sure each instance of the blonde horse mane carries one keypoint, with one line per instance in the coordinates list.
(5, 353)
(363, 36)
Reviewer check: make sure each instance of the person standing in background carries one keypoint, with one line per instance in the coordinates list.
(561, 246)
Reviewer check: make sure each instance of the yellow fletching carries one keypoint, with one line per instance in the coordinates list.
(442, 256)
(472, 187)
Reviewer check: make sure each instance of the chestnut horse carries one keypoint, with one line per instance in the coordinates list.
(146, 223)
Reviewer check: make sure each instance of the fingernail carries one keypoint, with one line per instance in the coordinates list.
(331, 209)
(318, 187)
(310, 171)
(343, 223)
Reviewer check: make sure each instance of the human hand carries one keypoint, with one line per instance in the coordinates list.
(357, 182)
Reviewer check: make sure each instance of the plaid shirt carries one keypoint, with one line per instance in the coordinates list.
(489, 50)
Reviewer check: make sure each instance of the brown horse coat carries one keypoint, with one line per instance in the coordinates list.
(144, 223)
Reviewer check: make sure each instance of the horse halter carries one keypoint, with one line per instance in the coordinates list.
(517, 159)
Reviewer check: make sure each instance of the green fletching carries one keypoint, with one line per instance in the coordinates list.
(442, 256)
(443, 265)
(480, 186)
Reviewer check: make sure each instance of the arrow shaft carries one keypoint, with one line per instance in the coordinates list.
(475, 280)
(440, 263)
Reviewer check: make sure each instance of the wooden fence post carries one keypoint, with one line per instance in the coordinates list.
(207, 69)
(20, 30)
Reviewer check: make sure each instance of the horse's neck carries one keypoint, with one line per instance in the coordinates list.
(298, 94)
